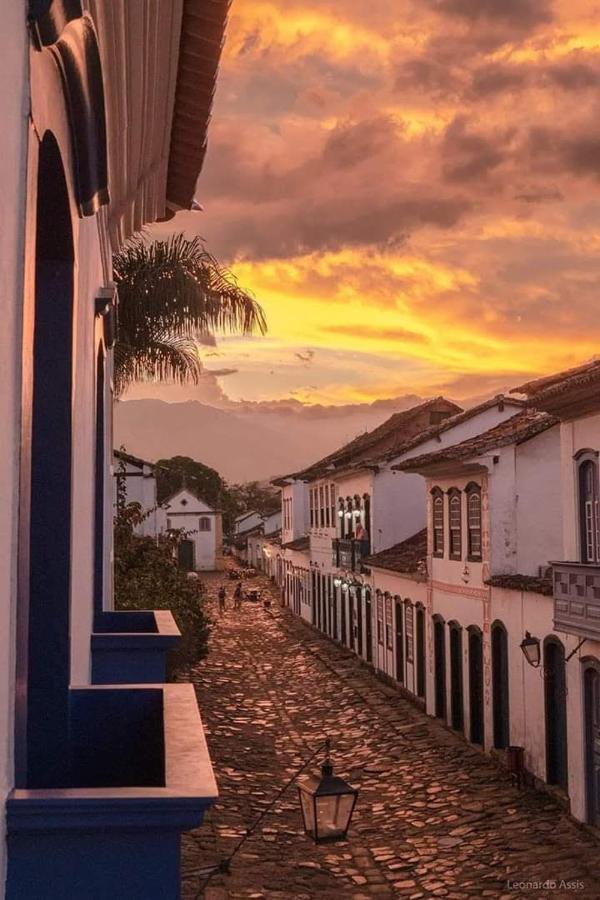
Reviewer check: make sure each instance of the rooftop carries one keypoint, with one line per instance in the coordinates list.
(516, 430)
(301, 543)
(522, 583)
(408, 557)
(568, 393)
(435, 431)
(382, 443)
(132, 460)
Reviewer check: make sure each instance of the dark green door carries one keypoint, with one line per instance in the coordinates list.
(185, 556)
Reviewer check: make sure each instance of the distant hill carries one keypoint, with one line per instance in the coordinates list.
(246, 444)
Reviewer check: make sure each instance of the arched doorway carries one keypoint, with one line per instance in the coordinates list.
(476, 685)
(456, 677)
(45, 521)
(500, 686)
(556, 712)
(420, 651)
(439, 650)
(591, 687)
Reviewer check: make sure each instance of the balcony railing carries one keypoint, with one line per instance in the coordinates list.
(577, 598)
(347, 553)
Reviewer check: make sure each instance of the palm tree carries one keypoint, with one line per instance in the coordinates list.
(172, 295)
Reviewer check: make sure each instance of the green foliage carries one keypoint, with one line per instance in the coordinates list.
(172, 474)
(172, 295)
(147, 577)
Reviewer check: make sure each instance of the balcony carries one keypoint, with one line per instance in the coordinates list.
(577, 598)
(131, 647)
(347, 553)
(139, 775)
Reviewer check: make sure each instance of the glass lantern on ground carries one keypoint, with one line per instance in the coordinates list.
(327, 804)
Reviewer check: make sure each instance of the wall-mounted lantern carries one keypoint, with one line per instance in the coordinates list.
(531, 650)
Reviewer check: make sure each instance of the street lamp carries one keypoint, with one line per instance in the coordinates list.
(327, 803)
(531, 650)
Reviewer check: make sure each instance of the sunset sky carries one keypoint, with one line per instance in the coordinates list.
(411, 189)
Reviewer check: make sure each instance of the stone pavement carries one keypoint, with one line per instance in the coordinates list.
(434, 818)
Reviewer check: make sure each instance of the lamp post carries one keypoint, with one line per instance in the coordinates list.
(327, 803)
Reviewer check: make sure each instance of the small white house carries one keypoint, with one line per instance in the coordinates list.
(202, 547)
(136, 478)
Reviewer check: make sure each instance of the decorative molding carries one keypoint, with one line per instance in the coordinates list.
(461, 590)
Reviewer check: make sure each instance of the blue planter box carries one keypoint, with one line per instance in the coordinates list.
(132, 647)
(140, 774)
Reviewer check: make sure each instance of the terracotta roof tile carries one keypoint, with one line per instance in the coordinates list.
(557, 382)
(522, 583)
(378, 444)
(301, 543)
(408, 557)
(516, 430)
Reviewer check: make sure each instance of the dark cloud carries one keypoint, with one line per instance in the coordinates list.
(541, 195)
(498, 78)
(351, 189)
(428, 75)
(577, 73)
(576, 152)
(521, 14)
(470, 155)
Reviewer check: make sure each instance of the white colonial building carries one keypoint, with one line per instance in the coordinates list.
(135, 482)
(201, 545)
(105, 109)
(446, 611)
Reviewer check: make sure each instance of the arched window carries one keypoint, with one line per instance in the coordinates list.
(455, 523)
(204, 524)
(473, 492)
(588, 508)
(437, 503)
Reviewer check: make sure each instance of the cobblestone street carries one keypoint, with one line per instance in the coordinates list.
(435, 818)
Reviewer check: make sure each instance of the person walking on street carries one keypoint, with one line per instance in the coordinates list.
(237, 596)
(222, 595)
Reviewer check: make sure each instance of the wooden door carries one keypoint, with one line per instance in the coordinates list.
(440, 668)
(456, 678)
(592, 744)
(399, 644)
(476, 686)
(556, 713)
(500, 687)
(369, 629)
(185, 555)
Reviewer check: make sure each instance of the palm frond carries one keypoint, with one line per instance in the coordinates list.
(172, 294)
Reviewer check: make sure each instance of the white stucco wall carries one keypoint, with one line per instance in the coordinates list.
(13, 73)
(539, 501)
(184, 510)
(89, 279)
